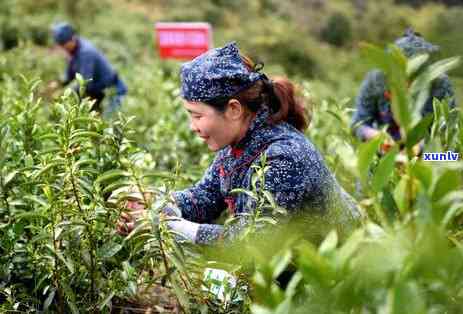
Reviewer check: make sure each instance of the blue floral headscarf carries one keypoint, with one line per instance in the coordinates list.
(413, 44)
(216, 74)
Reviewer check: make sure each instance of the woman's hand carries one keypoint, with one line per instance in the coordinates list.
(134, 205)
(128, 220)
(125, 224)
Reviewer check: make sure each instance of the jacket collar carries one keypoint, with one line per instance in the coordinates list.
(76, 50)
(254, 139)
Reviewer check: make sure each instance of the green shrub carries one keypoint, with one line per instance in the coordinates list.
(10, 35)
(337, 30)
(444, 31)
(58, 164)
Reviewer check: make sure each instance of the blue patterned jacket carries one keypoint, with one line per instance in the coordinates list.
(374, 107)
(297, 178)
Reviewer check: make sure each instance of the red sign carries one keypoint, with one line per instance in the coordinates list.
(183, 40)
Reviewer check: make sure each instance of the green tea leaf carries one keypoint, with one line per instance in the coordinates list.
(49, 299)
(401, 195)
(419, 131)
(366, 154)
(280, 263)
(329, 244)
(109, 250)
(447, 182)
(423, 172)
(415, 63)
(111, 175)
(107, 300)
(384, 170)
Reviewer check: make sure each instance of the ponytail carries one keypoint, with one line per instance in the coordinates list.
(284, 103)
(278, 94)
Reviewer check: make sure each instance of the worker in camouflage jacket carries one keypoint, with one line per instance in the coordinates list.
(373, 108)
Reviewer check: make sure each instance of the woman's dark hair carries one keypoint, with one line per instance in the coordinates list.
(278, 94)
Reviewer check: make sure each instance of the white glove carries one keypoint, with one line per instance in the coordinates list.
(183, 227)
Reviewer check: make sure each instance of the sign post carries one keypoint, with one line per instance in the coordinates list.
(183, 41)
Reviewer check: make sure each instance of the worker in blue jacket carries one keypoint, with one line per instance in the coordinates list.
(242, 115)
(92, 65)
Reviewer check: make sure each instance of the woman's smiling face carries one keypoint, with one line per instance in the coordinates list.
(217, 129)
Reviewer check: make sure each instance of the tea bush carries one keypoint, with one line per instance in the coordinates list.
(59, 163)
